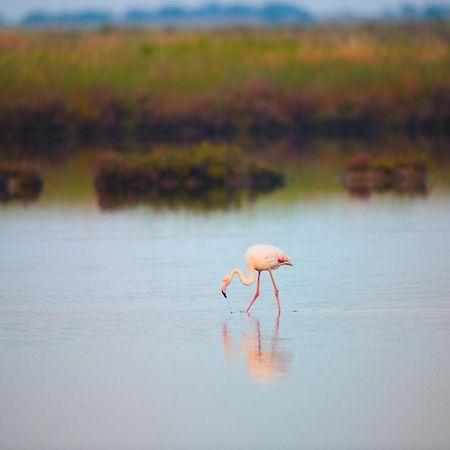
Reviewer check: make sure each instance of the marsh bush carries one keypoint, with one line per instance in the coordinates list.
(172, 171)
(404, 172)
(331, 79)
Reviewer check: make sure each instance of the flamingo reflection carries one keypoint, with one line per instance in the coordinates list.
(266, 362)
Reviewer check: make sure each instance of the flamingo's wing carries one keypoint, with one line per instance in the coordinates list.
(265, 257)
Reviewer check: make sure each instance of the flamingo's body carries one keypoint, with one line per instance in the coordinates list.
(259, 257)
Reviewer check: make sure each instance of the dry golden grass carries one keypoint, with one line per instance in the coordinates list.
(396, 73)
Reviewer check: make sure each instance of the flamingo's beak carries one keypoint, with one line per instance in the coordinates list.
(224, 289)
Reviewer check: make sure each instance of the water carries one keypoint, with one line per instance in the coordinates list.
(114, 334)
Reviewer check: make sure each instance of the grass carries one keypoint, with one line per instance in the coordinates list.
(204, 169)
(312, 169)
(403, 172)
(239, 81)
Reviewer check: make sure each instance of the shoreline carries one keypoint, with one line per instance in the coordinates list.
(38, 131)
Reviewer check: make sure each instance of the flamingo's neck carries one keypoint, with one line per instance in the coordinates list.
(245, 280)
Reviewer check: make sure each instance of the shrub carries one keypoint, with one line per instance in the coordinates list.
(196, 170)
(360, 161)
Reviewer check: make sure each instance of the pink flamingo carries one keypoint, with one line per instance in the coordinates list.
(259, 257)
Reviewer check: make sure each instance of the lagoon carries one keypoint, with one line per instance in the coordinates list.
(114, 334)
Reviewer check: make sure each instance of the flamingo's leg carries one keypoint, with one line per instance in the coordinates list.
(256, 293)
(276, 291)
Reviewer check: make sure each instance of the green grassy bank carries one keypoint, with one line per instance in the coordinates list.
(158, 84)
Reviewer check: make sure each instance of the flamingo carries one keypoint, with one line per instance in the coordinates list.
(260, 257)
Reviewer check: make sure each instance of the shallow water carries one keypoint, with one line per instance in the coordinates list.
(113, 332)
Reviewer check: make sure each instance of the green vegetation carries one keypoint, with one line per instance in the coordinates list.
(311, 169)
(202, 83)
(169, 172)
(405, 172)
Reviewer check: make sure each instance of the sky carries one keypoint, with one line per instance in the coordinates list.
(15, 9)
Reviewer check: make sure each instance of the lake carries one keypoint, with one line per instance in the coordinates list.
(114, 334)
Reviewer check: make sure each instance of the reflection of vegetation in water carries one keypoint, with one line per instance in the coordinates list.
(213, 199)
(69, 180)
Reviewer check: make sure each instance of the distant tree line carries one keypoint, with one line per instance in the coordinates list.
(270, 14)
(219, 15)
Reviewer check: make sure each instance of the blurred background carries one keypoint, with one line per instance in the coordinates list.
(280, 83)
(145, 145)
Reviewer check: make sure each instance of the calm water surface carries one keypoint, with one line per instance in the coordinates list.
(114, 335)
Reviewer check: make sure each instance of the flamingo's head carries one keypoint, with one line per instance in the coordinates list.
(284, 260)
(226, 282)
